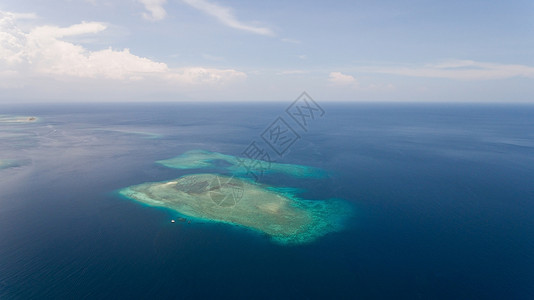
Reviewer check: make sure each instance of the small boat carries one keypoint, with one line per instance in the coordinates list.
(172, 221)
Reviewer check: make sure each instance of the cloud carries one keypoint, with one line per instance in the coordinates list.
(226, 16)
(292, 41)
(42, 33)
(338, 78)
(28, 16)
(155, 9)
(205, 75)
(42, 52)
(458, 69)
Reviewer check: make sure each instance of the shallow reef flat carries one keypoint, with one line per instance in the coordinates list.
(201, 159)
(6, 163)
(17, 119)
(212, 197)
(15, 135)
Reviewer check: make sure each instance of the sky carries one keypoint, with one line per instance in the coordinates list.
(235, 50)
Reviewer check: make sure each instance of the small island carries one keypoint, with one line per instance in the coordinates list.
(213, 197)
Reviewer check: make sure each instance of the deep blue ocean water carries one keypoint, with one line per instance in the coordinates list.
(443, 200)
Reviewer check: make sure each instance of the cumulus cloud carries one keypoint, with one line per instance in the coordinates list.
(226, 16)
(155, 9)
(339, 78)
(42, 52)
(458, 69)
(44, 32)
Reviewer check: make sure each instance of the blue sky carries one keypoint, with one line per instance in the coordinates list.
(207, 50)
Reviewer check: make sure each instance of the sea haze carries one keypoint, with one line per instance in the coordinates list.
(443, 199)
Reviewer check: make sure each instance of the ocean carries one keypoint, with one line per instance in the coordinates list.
(442, 197)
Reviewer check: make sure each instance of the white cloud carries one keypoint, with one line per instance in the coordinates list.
(155, 9)
(226, 16)
(42, 52)
(339, 78)
(292, 41)
(18, 16)
(205, 75)
(458, 69)
(46, 32)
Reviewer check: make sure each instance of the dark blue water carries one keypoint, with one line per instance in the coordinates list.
(443, 197)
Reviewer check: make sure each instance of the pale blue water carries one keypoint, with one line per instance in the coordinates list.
(443, 197)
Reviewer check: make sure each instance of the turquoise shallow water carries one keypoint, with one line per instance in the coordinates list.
(237, 165)
(442, 197)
